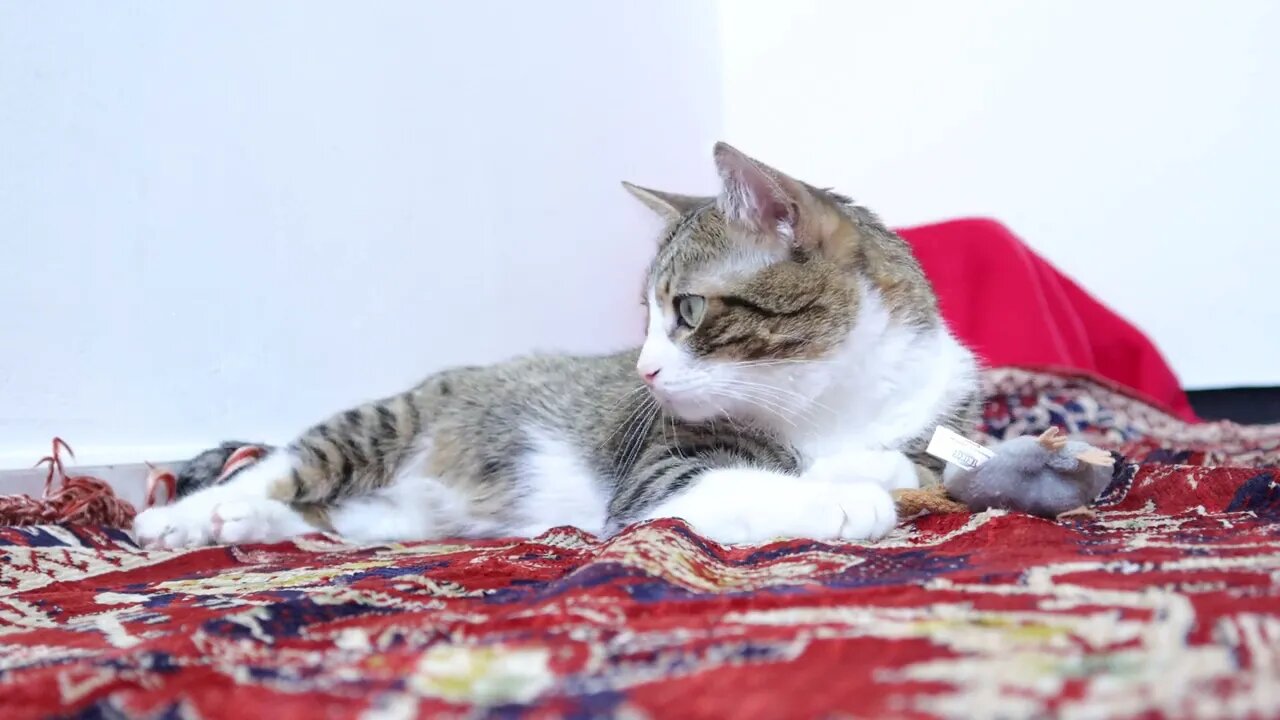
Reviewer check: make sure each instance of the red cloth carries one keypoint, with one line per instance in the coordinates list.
(1013, 308)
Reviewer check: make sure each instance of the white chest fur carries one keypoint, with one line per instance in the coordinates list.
(889, 384)
(560, 488)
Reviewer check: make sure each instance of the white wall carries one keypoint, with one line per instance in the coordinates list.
(1136, 143)
(226, 219)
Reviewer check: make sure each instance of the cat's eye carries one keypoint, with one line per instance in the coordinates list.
(689, 309)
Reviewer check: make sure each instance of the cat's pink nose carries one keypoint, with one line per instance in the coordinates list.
(649, 377)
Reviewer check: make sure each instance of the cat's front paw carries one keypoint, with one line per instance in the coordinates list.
(889, 469)
(732, 531)
(743, 505)
(868, 510)
(172, 527)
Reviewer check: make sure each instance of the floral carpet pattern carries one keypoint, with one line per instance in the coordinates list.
(1166, 605)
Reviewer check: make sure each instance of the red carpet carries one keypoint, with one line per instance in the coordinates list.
(1167, 605)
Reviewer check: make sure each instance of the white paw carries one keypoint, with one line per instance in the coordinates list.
(255, 521)
(172, 527)
(889, 469)
(732, 530)
(737, 506)
(869, 512)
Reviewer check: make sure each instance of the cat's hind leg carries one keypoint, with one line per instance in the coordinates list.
(257, 520)
(351, 454)
(411, 507)
(242, 509)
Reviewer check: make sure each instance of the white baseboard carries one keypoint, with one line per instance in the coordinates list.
(128, 481)
(12, 458)
(124, 469)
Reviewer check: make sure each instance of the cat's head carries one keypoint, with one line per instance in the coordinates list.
(753, 294)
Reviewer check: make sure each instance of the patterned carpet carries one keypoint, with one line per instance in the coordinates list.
(1167, 605)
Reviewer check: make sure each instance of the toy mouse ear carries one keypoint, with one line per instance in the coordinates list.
(1096, 456)
(671, 206)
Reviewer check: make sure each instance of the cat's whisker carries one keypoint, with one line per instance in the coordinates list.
(654, 414)
(720, 409)
(779, 400)
(780, 361)
(675, 439)
(636, 443)
(673, 444)
(630, 393)
(781, 392)
(780, 364)
(782, 396)
(635, 412)
(763, 403)
(665, 442)
(627, 426)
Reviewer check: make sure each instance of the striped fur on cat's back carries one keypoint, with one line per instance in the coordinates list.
(794, 365)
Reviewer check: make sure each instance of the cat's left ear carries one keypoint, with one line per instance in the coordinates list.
(671, 206)
(767, 202)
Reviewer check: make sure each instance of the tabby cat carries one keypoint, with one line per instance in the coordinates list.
(794, 367)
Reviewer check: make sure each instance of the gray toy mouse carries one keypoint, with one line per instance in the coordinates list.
(1049, 476)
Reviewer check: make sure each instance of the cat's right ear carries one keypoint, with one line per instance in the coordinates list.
(670, 206)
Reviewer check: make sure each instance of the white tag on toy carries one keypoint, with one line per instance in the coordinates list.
(952, 447)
